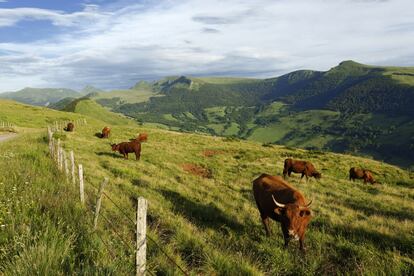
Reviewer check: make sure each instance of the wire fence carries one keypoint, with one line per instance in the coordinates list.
(68, 167)
(7, 126)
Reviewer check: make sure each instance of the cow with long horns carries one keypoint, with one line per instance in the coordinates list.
(278, 200)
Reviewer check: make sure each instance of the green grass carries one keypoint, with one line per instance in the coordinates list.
(92, 109)
(22, 115)
(208, 225)
(404, 75)
(43, 227)
(127, 96)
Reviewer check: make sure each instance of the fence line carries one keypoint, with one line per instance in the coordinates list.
(60, 157)
(6, 125)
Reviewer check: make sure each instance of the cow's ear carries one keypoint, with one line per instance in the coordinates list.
(279, 210)
(305, 213)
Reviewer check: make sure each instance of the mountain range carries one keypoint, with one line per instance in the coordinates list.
(352, 107)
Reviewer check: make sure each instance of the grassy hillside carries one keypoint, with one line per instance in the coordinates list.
(141, 92)
(28, 116)
(90, 108)
(352, 108)
(201, 209)
(40, 96)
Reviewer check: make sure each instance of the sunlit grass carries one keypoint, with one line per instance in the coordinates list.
(208, 225)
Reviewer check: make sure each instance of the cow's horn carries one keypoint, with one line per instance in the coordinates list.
(307, 205)
(277, 203)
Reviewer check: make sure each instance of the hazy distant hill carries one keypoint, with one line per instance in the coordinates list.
(40, 96)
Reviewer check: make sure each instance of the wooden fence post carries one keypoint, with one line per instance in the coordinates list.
(49, 133)
(141, 246)
(65, 165)
(61, 159)
(72, 163)
(57, 152)
(81, 192)
(99, 201)
(52, 148)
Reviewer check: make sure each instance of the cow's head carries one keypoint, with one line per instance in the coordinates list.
(294, 218)
(115, 147)
(317, 175)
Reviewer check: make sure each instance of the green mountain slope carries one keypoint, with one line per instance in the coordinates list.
(92, 109)
(208, 225)
(343, 109)
(40, 96)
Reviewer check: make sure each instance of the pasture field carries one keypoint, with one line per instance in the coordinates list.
(201, 208)
(126, 96)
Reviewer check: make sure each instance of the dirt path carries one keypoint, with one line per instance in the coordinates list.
(7, 136)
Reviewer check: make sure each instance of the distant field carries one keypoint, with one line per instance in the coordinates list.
(127, 96)
(94, 110)
(404, 75)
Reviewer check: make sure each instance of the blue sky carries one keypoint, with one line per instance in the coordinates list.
(113, 44)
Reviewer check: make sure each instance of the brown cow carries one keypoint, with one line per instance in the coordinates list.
(128, 147)
(306, 168)
(142, 137)
(278, 200)
(69, 127)
(357, 173)
(105, 132)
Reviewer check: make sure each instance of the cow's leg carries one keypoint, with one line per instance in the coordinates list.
(285, 235)
(303, 174)
(265, 221)
(285, 172)
(302, 243)
(126, 156)
(137, 155)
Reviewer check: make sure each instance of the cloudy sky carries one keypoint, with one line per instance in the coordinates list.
(113, 44)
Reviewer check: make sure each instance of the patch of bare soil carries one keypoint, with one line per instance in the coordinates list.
(197, 170)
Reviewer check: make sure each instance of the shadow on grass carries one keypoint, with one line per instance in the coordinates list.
(362, 236)
(203, 215)
(140, 182)
(363, 206)
(405, 184)
(110, 154)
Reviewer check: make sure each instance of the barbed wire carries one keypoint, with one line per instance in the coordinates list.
(124, 213)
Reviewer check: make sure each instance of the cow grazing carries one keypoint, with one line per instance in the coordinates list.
(306, 168)
(128, 147)
(142, 137)
(357, 173)
(278, 200)
(105, 132)
(69, 127)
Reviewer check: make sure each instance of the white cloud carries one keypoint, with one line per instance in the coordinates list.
(9, 17)
(117, 47)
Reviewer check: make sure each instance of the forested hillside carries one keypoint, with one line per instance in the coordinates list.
(350, 108)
